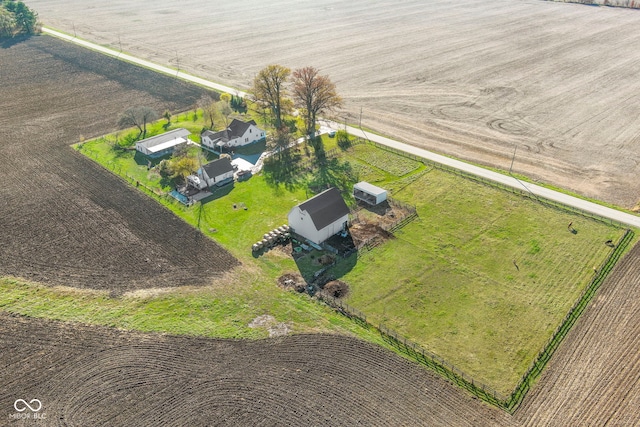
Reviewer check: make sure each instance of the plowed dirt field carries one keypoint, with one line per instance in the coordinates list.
(471, 78)
(64, 219)
(594, 377)
(88, 376)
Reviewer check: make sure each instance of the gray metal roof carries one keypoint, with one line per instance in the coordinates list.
(165, 137)
(369, 188)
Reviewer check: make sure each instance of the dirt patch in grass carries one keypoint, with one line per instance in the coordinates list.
(364, 233)
(66, 220)
(292, 281)
(336, 289)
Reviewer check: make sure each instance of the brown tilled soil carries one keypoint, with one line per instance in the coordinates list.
(594, 377)
(64, 219)
(469, 78)
(86, 376)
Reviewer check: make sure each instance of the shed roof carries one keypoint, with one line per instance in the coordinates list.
(174, 137)
(369, 188)
(218, 167)
(325, 208)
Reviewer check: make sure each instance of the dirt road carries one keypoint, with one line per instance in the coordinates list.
(473, 79)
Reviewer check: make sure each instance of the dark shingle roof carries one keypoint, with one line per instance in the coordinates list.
(218, 167)
(236, 129)
(325, 207)
(215, 136)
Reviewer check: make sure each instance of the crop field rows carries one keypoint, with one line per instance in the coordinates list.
(137, 379)
(91, 375)
(72, 222)
(470, 78)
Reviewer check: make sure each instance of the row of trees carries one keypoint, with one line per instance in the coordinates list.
(311, 93)
(17, 18)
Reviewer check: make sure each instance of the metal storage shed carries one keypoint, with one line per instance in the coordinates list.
(369, 193)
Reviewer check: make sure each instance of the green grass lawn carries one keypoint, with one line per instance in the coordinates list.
(448, 281)
(482, 278)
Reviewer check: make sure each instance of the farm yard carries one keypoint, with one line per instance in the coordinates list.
(108, 253)
(482, 278)
(241, 381)
(479, 265)
(469, 78)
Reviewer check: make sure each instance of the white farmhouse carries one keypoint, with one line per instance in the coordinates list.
(165, 143)
(320, 217)
(238, 133)
(217, 172)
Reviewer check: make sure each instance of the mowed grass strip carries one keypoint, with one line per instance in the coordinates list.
(223, 310)
(482, 278)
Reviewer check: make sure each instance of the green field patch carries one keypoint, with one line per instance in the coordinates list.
(482, 279)
(390, 163)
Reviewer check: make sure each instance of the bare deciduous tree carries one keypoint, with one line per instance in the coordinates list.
(138, 117)
(210, 110)
(269, 91)
(313, 94)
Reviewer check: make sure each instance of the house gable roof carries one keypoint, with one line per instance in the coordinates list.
(325, 208)
(218, 167)
(236, 129)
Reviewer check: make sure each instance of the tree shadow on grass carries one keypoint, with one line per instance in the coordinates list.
(284, 169)
(219, 192)
(143, 160)
(333, 173)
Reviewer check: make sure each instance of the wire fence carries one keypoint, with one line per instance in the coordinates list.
(519, 191)
(569, 320)
(418, 353)
(466, 381)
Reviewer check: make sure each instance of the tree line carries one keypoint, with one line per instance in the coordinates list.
(17, 18)
(311, 93)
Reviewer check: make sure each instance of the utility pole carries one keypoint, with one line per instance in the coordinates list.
(177, 63)
(513, 159)
(360, 117)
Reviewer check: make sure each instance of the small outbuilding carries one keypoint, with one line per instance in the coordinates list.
(369, 193)
(166, 143)
(320, 217)
(217, 172)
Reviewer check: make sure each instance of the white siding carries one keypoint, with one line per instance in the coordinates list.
(301, 223)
